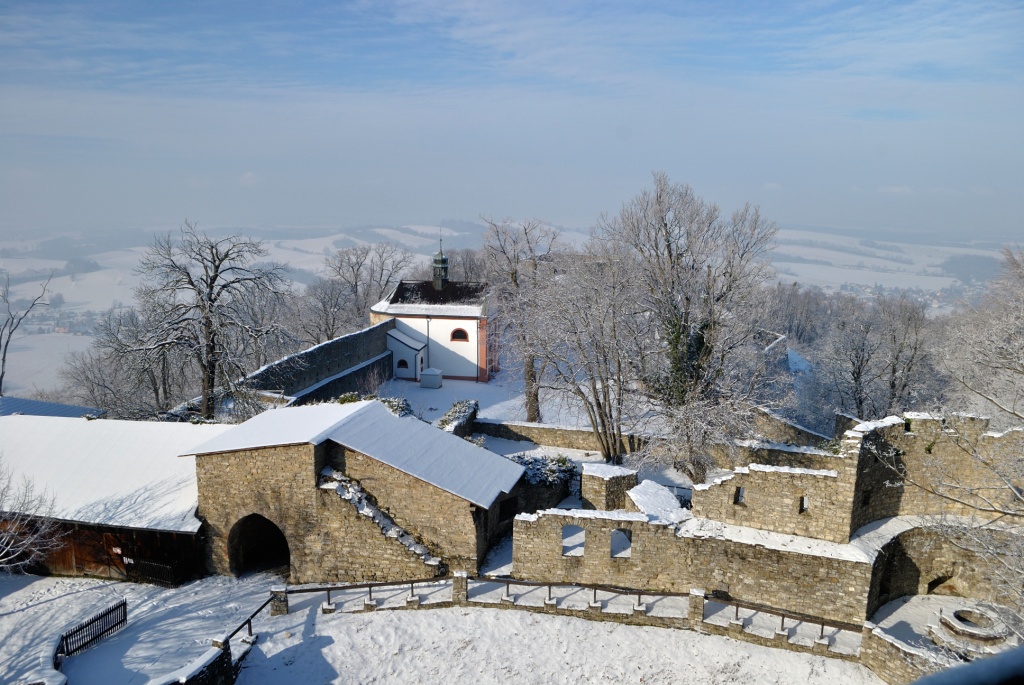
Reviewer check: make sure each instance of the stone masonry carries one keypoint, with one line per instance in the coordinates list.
(327, 538)
(604, 487)
(829, 588)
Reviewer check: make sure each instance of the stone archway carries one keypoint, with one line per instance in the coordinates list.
(255, 544)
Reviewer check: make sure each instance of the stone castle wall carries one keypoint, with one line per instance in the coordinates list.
(597, 492)
(923, 561)
(795, 503)
(446, 524)
(328, 539)
(896, 460)
(777, 429)
(829, 588)
(551, 436)
(301, 371)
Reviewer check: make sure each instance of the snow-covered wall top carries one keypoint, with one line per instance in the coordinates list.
(658, 503)
(114, 473)
(606, 471)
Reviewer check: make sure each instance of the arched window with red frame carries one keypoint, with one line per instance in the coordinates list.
(460, 335)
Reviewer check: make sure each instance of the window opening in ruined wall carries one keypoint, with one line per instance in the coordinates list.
(573, 541)
(737, 498)
(805, 504)
(622, 543)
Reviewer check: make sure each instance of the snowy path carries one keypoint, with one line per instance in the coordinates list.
(167, 628)
(480, 645)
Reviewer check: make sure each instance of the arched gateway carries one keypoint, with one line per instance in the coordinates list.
(256, 544)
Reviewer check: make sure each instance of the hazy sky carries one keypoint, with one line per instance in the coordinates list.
(872, 116)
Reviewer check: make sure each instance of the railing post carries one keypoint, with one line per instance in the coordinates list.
(460, 588)
(278, 601)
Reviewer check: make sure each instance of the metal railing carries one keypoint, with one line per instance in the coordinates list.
(367, 586)
(73, 641)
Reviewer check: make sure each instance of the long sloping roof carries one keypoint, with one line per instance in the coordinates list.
(405, 443)
(19, 405)
(114, 473)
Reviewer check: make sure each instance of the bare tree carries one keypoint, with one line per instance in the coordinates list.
(14, 316)
(592, 337)
(369, 272)
(698, 271)
(985, 354)
(700, 277)
(514, 252)
(325, 312)
(195, 292)
(28, 533)
(124, 374)
(875, 358)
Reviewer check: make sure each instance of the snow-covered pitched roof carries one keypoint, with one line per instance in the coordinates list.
(284, 426)
(406, 340)
(19, 405)
(455, 311)
(405, 443)
(428, 453)
(115, 473)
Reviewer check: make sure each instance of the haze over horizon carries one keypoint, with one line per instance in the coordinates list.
(901, 119)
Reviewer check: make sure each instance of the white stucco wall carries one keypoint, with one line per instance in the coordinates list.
(453, 358)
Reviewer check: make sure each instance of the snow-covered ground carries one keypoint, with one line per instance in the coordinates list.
(483, 645)
(169, 628)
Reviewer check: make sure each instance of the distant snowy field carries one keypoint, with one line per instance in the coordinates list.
(169, 628)
(34, 361)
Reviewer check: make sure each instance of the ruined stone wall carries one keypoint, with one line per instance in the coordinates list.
(890, 663)
(443, 522)
(328, 539)
(924, 561)
(609, 493)
(552, 436)
(777, 429)
(832, 589)
(900, 462)
(816, 506)
(300, 371)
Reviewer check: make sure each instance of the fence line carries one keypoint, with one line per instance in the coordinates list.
(82, 636)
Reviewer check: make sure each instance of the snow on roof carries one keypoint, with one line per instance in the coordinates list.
(115, 473)
(19, 405)
(428, 453)
(606, 471)
(406, 340)
(405, 443)
(768, 468)
(458, 311)
(658, 503)
(282, 426)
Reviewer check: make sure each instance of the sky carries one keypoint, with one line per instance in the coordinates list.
(875, 117)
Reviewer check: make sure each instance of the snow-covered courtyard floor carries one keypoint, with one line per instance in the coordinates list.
(169, 628)
(470, 646)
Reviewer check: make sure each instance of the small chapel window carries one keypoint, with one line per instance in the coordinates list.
(460, 335)
(403, 364)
